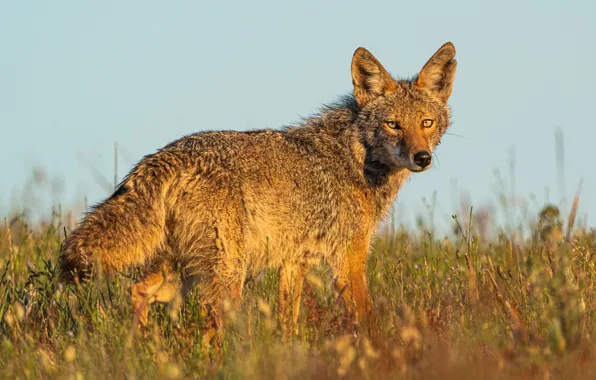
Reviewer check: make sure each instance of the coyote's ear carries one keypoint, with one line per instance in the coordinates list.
(369, 77)
(438, 73)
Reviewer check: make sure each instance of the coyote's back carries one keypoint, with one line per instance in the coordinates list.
(217, 204)
(262, 195)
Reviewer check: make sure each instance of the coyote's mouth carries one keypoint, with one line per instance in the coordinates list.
(418, 169)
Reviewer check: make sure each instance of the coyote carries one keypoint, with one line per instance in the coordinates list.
(212, 206)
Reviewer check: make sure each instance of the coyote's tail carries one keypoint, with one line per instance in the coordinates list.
(128, 227)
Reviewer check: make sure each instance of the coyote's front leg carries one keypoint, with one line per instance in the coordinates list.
(291, 277)
(350, 280)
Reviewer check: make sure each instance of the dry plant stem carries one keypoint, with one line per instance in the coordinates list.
(472, 279)
(580, 253)
(10, 251)
(514, 322)
(573, 211)
(521, 283)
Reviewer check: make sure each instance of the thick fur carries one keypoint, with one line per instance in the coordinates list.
(219, 204)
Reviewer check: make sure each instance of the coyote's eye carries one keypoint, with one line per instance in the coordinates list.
(392, 124)
(427, 123)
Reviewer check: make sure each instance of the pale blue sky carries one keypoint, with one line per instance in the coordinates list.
(76, 76)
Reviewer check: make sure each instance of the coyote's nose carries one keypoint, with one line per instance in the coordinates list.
(422, 158)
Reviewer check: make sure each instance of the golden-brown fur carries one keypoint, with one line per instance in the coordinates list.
(219, 204)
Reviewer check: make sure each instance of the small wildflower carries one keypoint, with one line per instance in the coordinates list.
(264, 308)
(70, 354)
(315, 281)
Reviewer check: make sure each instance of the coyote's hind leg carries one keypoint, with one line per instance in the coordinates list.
(222, 283)
(162, 286)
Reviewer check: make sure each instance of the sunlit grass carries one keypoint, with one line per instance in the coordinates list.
(461, 306)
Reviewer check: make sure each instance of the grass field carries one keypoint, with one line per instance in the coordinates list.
(483, 302)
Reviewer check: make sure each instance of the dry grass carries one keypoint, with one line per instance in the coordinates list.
(464, 306)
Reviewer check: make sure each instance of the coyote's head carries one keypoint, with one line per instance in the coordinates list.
(402, 121)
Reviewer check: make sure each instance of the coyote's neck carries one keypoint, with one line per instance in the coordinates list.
(387, 193)
(374, 178)
(383, 182)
